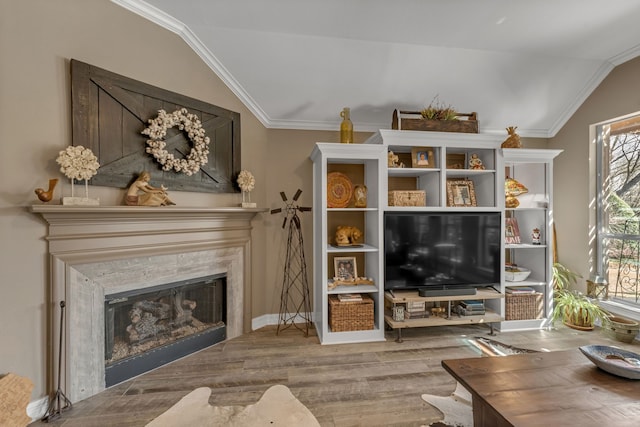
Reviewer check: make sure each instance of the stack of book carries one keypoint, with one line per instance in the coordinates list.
(520, 290)
(415, 310)
(350, 297)
(470, 308)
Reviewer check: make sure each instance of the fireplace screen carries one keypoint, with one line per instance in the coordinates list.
(151, 327)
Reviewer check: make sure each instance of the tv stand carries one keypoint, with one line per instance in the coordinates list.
(446, 292)
(444, 318)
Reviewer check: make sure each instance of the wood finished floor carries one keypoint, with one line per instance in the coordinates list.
(368, 384)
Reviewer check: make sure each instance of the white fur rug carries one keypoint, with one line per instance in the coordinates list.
(277, 407)
(457, 409)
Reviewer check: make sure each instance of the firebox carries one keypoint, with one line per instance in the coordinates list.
(147, 328)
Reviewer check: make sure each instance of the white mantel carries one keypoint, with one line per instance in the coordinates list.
(94, 250)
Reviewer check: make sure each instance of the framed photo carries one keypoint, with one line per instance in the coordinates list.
(511, 231)
(456, 161)
(345, 268)
(422, 157)
(461, 192)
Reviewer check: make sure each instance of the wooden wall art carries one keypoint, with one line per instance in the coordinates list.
(109, 113)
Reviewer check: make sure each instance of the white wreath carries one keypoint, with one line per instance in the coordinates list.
(188, 122)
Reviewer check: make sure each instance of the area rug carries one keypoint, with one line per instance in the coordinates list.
(457, 408)
(277, 407)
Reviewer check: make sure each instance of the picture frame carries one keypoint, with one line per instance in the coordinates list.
(456, 161)
(423, 157)
(345, 268)
(511, 231)
(461, 193)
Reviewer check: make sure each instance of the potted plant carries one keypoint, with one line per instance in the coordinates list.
(574, 308)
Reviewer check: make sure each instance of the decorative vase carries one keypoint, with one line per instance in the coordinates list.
(346, 127)
(360, 196)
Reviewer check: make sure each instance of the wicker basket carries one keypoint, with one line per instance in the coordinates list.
(524, 306)
(407, 198)
(350, 315)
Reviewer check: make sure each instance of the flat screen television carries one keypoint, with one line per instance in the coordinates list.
(442, 250)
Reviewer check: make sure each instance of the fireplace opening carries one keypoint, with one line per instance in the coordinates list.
(148, 328)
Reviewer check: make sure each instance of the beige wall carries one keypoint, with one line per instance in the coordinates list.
(617, 95)
(37, 39)
(290, 169)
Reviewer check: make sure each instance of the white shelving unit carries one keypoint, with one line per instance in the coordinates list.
(367, 164)
(534, 169)
(363, 164)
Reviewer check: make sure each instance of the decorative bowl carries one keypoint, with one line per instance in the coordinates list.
(614, 360)
(516, 274)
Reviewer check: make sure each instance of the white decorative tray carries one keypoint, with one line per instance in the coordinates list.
(614, 360)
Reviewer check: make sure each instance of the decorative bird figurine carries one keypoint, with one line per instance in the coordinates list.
(46, 196)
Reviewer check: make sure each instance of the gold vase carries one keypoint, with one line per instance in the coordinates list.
(346, 127)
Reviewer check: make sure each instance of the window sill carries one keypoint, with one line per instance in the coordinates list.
(619, 309)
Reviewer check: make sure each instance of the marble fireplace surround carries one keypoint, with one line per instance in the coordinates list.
(95, 251)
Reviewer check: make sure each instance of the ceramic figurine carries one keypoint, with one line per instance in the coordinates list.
(535, 236)
(347, 235)
(475, 163)
(140, 193)
(46, 196)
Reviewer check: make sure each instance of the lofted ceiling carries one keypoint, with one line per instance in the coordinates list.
(296, 63)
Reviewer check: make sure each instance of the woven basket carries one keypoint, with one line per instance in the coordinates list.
(350, 315)
(407, 198)
(523, 306)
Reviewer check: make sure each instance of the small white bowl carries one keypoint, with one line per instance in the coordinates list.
(517, 276)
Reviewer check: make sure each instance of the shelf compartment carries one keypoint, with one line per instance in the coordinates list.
(524, 306)
(488, 317)
(351, 315)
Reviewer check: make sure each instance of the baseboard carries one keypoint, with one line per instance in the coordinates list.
(272, 319)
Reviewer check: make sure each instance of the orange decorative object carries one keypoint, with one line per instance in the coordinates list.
(339, 190)
(47, 195)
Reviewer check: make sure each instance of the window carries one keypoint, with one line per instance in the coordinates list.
(618, 207)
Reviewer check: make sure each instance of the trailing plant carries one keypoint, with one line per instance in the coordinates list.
(572, 306)
(563, 278)
(575, 308)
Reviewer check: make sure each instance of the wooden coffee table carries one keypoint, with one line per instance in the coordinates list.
(560, 388)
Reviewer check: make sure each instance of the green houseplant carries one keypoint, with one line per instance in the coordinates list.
(574, 308)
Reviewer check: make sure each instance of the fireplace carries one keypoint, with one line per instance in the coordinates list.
(99, 255)
(148, 328)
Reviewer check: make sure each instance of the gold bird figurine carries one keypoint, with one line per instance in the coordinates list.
(46, 196)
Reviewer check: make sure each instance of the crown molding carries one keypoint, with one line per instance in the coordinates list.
(168, 22)
(586, 91)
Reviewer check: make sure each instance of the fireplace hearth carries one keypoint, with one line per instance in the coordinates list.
(145, 329)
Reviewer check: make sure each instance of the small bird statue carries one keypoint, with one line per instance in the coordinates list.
(46, 196)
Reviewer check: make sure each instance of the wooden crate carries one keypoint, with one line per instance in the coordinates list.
(413, 120)
(407, 198)
(350, 315)
(524, 306)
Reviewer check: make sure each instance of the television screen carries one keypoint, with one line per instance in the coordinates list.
(442, 249)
